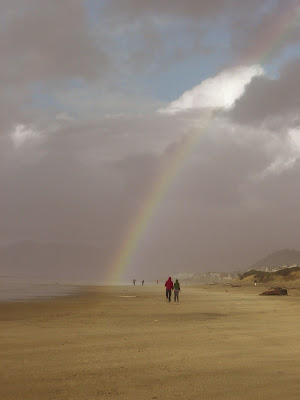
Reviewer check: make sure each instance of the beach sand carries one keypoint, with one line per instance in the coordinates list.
(219, 342)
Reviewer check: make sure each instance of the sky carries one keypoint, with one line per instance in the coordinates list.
(165, 132)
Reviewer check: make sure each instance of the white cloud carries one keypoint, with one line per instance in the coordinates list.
(285, 152)
(23, 133)
(294, 135)
(220, 91)
(279, 165)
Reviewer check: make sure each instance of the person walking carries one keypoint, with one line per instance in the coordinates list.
(143, 282)
(169, 286)
(176, 291)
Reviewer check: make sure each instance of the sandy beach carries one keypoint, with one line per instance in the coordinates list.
(219, 342)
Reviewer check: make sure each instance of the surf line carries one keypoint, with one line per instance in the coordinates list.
(279, 30)
(153, 198)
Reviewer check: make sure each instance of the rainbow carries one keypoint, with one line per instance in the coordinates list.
(152, 199)
(278, 31)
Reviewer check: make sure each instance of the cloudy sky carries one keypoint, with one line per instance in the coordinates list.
(98, 98)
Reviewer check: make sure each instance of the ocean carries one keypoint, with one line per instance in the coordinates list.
(23, 287)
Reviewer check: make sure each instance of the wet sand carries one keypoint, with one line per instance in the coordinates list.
(218, 343)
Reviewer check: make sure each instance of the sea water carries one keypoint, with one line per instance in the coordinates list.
(22, 287)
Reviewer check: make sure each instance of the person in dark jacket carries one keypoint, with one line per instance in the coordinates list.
(169, 286)
(176, 291)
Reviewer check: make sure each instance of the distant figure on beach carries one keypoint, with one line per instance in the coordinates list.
(134, 280)
(255, 282)
(157, 281)
(143, 282)
(176, 291)
(169, 286)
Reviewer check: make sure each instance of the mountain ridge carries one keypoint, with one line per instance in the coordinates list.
(277, 260)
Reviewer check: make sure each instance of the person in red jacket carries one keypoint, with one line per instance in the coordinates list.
(169, 286)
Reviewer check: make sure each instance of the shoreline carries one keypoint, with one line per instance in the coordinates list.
(60, 290)
(30, 291)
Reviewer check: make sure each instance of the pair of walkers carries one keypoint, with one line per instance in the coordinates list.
(169, 287)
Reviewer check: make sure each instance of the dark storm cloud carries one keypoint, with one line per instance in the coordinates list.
(41, 42)
(49, 40)
(223, 208)
(85, 182)
(92, 173)
(270, 98)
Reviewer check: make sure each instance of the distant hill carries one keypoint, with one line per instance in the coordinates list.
(52, 260)
(277, 260)
(282, 275)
